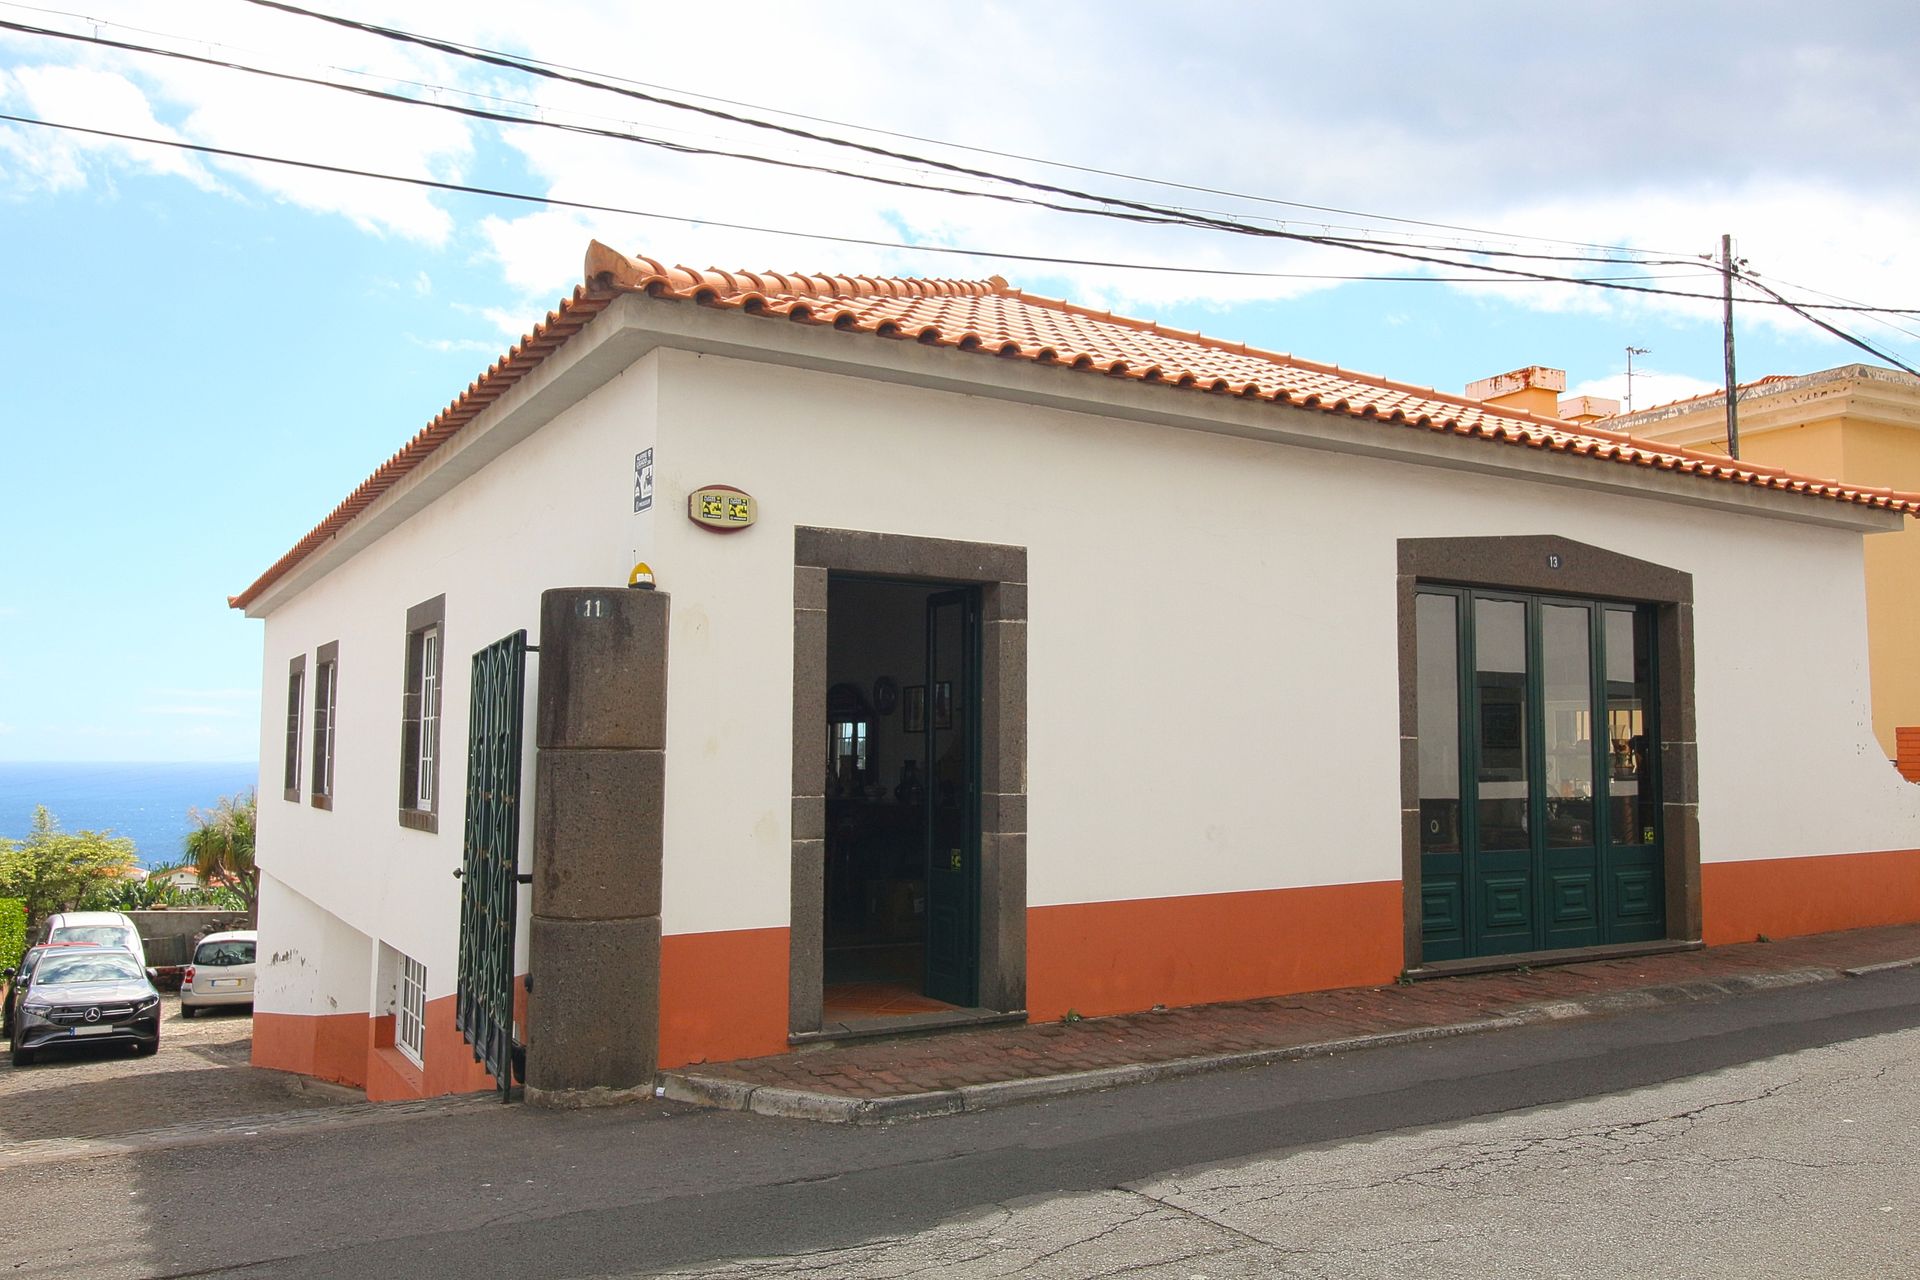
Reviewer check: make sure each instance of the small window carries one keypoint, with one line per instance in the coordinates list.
(410, 1019)
(326, 680)
(420, 715)
(296, 703)
(224, 953)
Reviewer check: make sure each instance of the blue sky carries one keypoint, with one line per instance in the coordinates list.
(207, 355)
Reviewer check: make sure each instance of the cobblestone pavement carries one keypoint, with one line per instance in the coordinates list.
(900, 1068)
(200, 1074)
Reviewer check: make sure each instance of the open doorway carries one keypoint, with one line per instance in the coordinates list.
(901, 893)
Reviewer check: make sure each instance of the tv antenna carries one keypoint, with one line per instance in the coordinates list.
(1631, 353)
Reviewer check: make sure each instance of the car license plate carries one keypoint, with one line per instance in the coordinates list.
(94, 1031)
(224, 984)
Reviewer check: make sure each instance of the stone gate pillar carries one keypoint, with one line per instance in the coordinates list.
(593, 1010)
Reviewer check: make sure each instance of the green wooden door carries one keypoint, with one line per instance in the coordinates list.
(1537, 786)
(953, 796)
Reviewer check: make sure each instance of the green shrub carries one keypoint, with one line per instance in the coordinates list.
(13, 932)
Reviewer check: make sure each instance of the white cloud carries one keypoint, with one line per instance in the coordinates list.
(236, 695)
(1573, 124)
(90, 99)
(1650, 387)
(198, 712)
(444, 345)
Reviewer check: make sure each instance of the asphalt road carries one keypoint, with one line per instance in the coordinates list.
(481, 1191)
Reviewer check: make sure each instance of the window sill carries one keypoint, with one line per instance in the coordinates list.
(323, 802)
(420, 820)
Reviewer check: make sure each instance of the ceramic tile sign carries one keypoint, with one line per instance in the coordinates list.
(642, 480)
(722, 508)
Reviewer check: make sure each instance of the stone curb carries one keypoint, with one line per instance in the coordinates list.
(14, 1155)
(827, 1108)
(1885, 966)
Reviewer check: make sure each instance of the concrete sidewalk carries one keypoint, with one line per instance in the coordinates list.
(954, 1071)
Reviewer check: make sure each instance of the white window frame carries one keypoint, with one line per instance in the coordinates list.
(326, 700)
(296, 724)
(423, 684)
(425, 762)
(410, 1011)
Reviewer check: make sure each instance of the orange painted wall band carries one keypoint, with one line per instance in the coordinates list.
(326, 1046)
(1788, 897)
(723, 995)
(1119, 957)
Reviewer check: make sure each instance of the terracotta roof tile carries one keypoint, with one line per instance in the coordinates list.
(991, 317)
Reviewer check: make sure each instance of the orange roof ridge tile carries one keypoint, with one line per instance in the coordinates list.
(607, 267)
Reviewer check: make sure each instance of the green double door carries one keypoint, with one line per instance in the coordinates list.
(1538, 774)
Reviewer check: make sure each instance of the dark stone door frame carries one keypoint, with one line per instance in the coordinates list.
(1001, 574)
(1552, 565)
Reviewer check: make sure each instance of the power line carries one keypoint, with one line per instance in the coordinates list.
(556, 202)
(510, 62)
(1155, 214)
(1807, 288)
(1167, 217)
(1172, 184)
(1837, 332)
(1477, 234)
(1124, 210)
(499, 117)
(613, 84)
(1149, 214)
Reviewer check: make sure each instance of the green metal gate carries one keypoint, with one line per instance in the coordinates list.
(490, 874)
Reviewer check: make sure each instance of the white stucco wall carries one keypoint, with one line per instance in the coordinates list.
(1212, 661)
(555, 510)
(310, 962)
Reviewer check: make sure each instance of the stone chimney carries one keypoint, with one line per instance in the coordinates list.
(1534, 389)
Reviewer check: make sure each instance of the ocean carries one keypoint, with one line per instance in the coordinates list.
(145, 801)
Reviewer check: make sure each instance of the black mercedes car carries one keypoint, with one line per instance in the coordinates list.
(83, 995)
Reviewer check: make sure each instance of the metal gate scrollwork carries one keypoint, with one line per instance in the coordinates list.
(490, 872)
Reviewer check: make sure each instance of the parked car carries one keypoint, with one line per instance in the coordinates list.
(101, 928)
(85, 995)
(221, 972)
(17, 978)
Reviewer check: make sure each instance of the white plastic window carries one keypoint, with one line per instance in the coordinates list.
(425, 773)
(410, 1019)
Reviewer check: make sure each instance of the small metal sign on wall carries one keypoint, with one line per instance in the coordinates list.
(642, 480)
(722, 507)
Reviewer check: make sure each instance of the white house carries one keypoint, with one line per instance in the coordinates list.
(1010, 658)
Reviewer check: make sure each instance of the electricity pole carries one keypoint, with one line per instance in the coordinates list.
(1733, 389)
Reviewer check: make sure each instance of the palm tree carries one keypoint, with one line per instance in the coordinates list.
(221, 848)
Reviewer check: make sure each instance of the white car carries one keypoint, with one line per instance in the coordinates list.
(221, 972)
(96, 928)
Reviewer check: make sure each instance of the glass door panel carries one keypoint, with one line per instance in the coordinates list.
(1634, 865)
(1570, 907)
(1443, 926)
(1502, 906)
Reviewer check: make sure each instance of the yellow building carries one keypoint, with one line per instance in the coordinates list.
(1860, 424)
